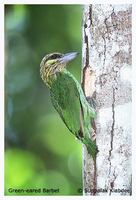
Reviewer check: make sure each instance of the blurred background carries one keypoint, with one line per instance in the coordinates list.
(40, 152)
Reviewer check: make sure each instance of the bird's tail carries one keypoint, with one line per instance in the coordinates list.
(91, 147)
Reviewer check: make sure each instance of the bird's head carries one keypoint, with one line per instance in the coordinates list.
(53, 63)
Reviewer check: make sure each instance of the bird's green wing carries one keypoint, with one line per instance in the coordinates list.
(66, 100)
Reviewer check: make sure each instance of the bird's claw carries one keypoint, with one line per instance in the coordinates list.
(93, 136)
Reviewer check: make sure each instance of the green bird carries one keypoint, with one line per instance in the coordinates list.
(68, 98)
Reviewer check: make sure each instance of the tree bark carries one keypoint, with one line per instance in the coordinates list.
(107, 80)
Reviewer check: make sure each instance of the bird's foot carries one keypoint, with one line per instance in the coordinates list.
(93, 136)
(91, 101)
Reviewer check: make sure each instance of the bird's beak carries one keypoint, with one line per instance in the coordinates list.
(68, 57)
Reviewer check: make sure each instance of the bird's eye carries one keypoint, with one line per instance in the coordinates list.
(52, 58)
(55, 56)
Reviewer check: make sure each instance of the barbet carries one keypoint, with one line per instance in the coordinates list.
(68, 98)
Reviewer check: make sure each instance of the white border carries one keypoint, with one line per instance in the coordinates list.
(2, 100)
(2, 97)
(68, 2)
(133, 101)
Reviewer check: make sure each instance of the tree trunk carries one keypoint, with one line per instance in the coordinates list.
(107, 80)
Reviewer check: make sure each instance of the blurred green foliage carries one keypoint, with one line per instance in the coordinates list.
(40, 152)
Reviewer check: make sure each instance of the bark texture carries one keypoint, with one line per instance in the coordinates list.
(107, 79)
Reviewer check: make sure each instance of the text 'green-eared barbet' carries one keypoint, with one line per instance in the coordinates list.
(68, 98)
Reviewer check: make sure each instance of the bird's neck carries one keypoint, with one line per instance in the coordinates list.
(48, 77)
